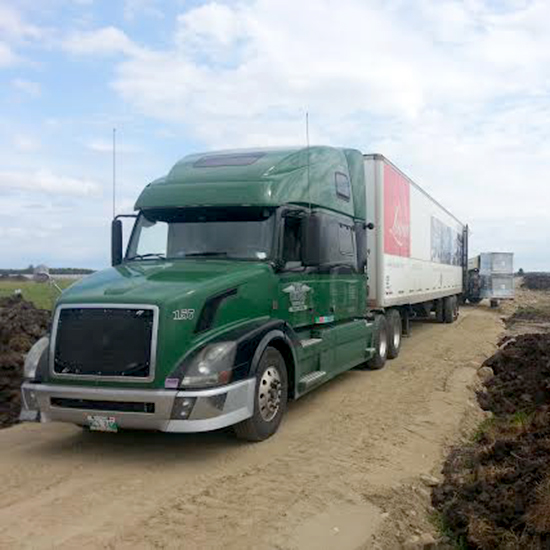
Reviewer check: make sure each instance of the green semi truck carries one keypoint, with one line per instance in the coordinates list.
(250, 278)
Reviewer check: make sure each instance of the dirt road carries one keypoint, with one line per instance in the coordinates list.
(339, 474)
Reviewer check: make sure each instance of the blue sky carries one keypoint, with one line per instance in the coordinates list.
(455, 93)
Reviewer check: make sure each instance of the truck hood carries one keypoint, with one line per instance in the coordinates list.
(159, 282)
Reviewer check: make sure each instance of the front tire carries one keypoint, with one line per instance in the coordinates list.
(380, 344)
(395, 330)
(270, 398)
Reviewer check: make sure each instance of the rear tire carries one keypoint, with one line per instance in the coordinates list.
(448, 309)
(494, 303)
(395, 331)
(380, 344)
(456, 305)
(440, 310)
(269, 400)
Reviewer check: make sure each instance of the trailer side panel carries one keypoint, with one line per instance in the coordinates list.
(416, 250)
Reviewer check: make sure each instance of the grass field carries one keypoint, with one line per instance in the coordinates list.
(42, 295)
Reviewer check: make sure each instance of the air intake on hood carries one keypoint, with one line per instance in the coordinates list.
(208, 313)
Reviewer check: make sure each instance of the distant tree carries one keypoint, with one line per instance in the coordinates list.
(520, 272)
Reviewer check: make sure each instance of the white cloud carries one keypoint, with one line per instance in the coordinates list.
(25, 143)
(134, 9)
(44, 181)
(106, 146)
(7, 56)
(105, 41)
(28, 87)
(13, 26)
(15, 32)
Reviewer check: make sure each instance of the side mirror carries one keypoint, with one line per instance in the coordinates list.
(116, 242)
(361, 243)
(311, 250)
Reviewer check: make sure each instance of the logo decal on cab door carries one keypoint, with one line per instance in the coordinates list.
(297, 292)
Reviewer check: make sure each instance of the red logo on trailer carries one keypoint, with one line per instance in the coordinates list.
(397, 213)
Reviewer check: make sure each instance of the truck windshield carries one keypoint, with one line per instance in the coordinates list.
(236, 233)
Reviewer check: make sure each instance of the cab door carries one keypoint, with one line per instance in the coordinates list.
(298, 287)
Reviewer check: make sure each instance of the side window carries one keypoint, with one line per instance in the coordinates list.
(345, 237)
(292, 243)
(343, 190)
(338, 240)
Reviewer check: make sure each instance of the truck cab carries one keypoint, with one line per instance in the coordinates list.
(243, 285)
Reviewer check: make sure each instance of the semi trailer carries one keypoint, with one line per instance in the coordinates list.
(250, 278)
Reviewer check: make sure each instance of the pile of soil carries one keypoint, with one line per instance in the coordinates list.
(21, 325)
(536, 281)
(529, 314)
(496, 490)
(522, 376)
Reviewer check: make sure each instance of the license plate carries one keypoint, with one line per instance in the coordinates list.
(102, 423)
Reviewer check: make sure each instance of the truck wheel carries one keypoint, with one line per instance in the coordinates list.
(440, 310)
(395, 329)
(474, 299)
(380, 344)
(456, 305)
(269, 400)
(448, 309)
(494, 303)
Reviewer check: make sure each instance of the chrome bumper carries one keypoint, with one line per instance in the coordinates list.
(211, 409)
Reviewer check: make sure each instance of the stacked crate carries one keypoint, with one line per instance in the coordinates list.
(496, 270)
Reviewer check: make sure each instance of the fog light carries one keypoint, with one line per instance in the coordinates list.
(29, 399)
(182, 407)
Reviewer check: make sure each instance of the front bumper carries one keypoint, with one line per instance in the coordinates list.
(211, 408)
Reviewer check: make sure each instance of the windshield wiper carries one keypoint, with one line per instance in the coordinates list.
(148, 255)
(206, 254)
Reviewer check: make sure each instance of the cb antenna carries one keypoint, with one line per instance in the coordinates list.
(114, 172)
(307, 162)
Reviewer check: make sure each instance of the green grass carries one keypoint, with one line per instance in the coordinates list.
(438, 521)
(42, 295)
(483, 427)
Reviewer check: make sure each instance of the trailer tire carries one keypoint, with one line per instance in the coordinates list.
(494, 303)
(380, 344)
(440, 310)
(474, 299)
(395, 332)
(448, 309)
(456, 306)
(270, 404)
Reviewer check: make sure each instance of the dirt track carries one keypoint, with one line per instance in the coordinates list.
(341, 473)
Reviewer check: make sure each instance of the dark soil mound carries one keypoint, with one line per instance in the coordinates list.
(522, 376)
(496, 491)
(529, 314)
(21, 324)
(536, 281)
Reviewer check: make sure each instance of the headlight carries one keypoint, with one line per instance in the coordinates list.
(33, 357)
(211, 366)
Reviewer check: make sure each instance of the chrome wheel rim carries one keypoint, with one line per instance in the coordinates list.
(383, 345)
(397, 333)
(269, 393)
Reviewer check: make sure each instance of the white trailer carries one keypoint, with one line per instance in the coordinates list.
(417, 251)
